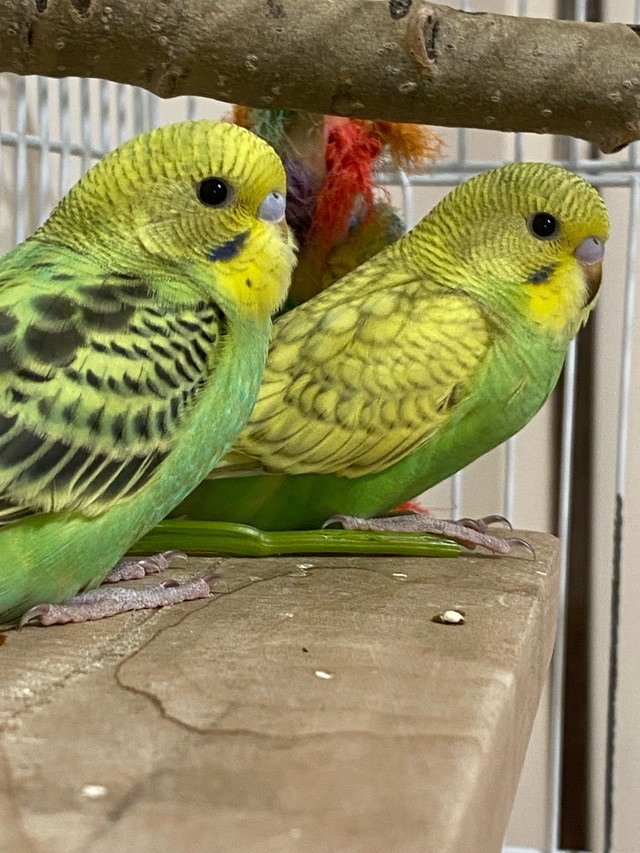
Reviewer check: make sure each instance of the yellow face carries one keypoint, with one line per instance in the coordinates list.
(567, 284)
(223, 211)
(528, 235)
(202, 195)
(228, 228)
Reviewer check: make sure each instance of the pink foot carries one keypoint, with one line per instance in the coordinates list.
(102, 602)
(129, 570)
(108, 601)
(468, 532)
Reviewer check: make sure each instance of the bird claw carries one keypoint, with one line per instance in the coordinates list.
(162, 560)
(34, 614)
(483, 524)
(353, 522)
(516, 540)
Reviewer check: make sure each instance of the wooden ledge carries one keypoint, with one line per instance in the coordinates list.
(311, 706)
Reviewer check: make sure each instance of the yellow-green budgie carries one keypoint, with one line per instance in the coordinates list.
(134, 328)
(427, 356)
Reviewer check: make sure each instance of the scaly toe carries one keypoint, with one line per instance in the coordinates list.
(109, 601)
(128, 570)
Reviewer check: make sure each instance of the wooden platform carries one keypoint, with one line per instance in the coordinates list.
(309, 706)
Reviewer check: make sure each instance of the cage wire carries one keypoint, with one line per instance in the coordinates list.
(51, 131)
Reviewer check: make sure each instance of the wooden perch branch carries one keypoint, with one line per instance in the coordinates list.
(402, 60)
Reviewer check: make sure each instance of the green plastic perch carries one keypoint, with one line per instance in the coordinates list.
(241, 540)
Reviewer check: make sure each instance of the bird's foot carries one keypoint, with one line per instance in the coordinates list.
(109, 601)
(128, 570)
(469, 532)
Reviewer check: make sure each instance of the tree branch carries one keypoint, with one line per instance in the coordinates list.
(400, 60)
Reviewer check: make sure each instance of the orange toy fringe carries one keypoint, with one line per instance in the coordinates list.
(411, 146)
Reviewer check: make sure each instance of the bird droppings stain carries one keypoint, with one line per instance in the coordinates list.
(301, 571)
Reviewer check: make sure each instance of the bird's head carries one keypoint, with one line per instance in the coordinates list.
(527, 237)
(201, 196)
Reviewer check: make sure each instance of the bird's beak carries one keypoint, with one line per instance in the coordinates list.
(589, 254)
(272, 209)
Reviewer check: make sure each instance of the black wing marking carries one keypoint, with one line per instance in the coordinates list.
(95, 382)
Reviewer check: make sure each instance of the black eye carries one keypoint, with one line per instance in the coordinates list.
(543, 225)
(212, 191)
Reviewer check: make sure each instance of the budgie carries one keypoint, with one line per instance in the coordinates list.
(134, 328)
(433, 352)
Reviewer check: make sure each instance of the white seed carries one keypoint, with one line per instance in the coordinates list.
(453, 616)
(450, 617)
(94, 791)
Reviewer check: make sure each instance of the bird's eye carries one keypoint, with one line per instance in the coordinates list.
(213, 192)
(543, 225)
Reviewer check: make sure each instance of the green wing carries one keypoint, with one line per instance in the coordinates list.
(95, 379)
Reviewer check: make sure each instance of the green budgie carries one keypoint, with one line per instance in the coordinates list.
(417, 362)
(134, 329)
